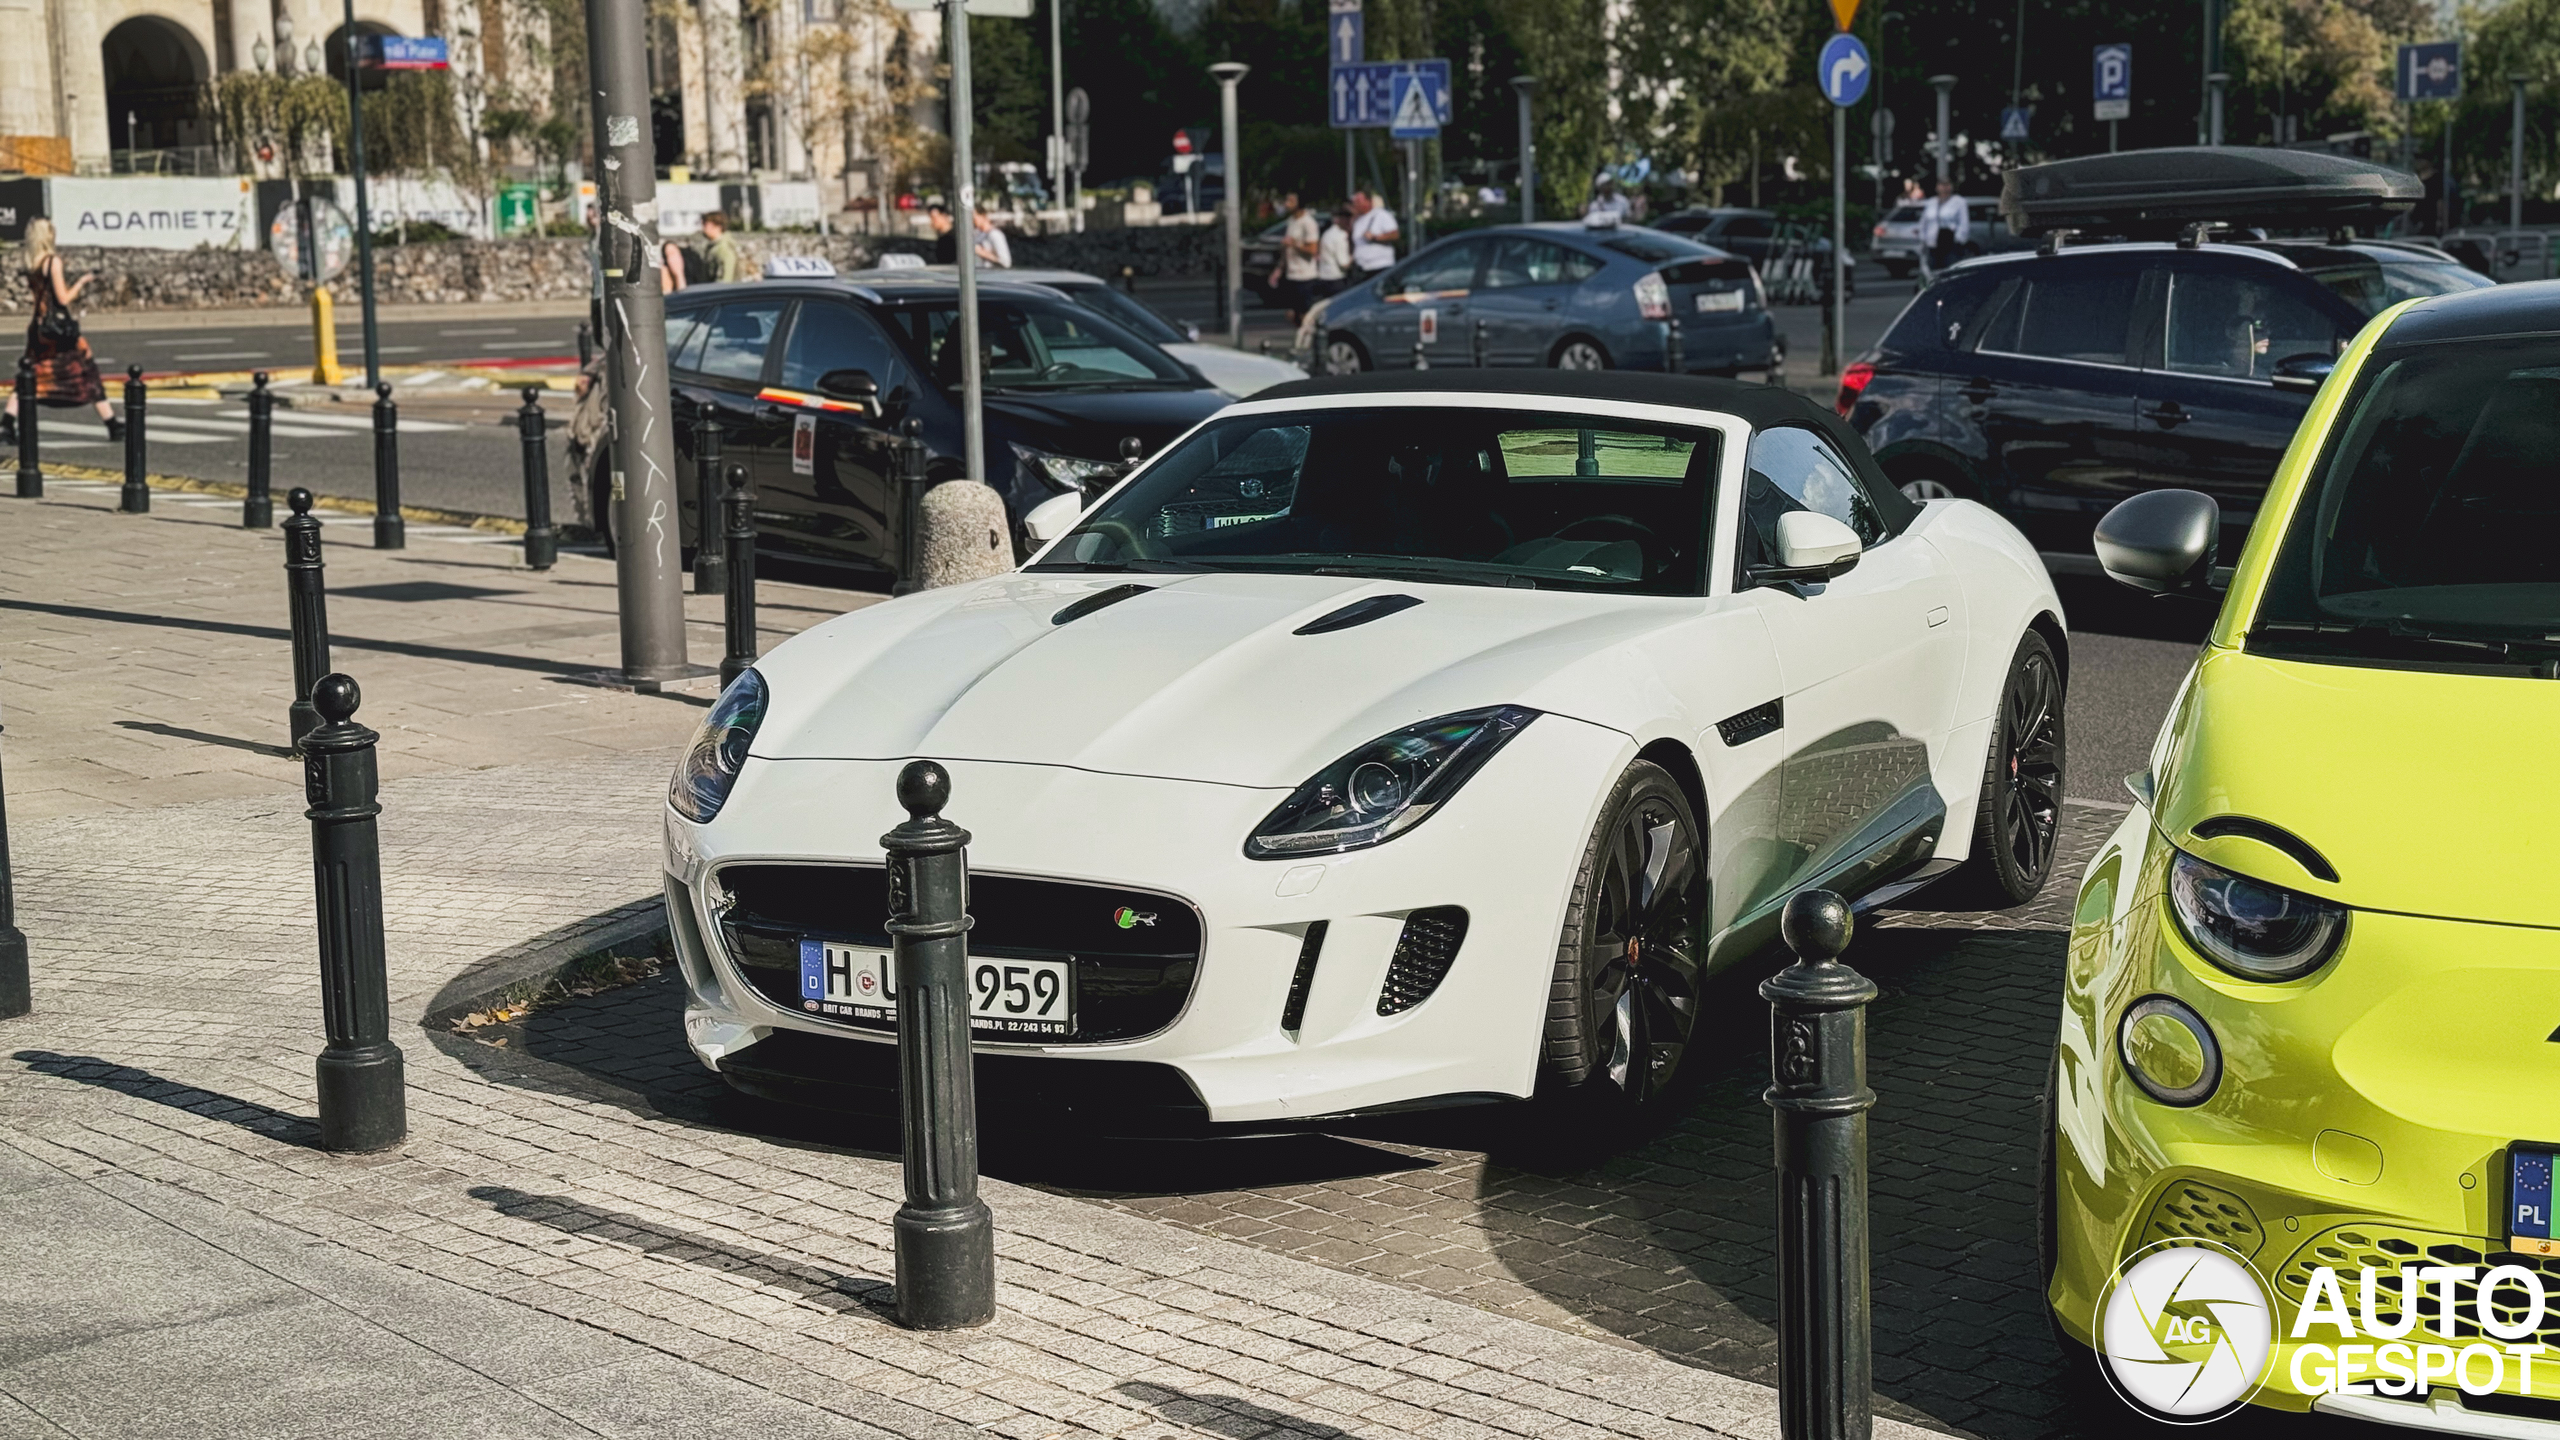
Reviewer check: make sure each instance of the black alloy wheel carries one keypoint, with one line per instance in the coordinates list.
(2019, 819)
(1624, 1000)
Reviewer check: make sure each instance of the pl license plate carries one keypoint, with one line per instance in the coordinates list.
(1012, 997)
(2529, 1171)
(1715, 300)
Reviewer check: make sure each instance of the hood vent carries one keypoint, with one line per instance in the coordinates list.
(1099, 599)
(1358, 612)
(2265, 834)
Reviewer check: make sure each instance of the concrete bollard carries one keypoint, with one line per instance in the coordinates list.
(389, 531)
(962, 531)
(541, 541)
(136, 499)
(946, 1251)
(308, 601)
(363, 1103)
(258, 510)
(1818, 1091)
(740, 611)
(710, 537)
(30, 456)
(17, 990)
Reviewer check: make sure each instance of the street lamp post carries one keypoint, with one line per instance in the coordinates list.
(1524, 85)
(2214, 85)
(1946, 85)
(964, 185)
(2515, 152)
(364, 211)
(1229, 74)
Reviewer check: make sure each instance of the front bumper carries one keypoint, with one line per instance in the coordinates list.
(2363, 1119)
(1503, 850)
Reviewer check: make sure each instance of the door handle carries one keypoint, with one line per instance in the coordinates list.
(1978, 392)
(2168, 415)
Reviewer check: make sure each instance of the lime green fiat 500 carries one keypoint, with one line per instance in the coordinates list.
(2312, 1003)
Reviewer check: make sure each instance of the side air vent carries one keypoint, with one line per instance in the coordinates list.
(2266, 834)
(1294, 1013)
(1358, 612)
(1098, 600)
(1424, 952)
(1753, 723)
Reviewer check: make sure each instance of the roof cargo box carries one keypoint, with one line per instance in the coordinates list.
(2156, 193)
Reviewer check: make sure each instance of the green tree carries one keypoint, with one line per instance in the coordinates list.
(1009, 87)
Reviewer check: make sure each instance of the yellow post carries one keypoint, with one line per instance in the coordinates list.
(324, 339)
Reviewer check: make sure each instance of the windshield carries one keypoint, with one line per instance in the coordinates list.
(1467, 496)
(2431, 535)
(2375, 288)
(1029, 345)
(1654, 245)
(1129, 310)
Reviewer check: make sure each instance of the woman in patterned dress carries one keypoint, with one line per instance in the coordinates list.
(66, 373)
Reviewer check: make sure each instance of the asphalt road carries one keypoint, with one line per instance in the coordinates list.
(164, 342)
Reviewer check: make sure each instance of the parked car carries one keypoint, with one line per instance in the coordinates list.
(809, 380)
(1558, 294)
(1899, 245)
(2051, 386)
(2306, 1018)
(1388, 743)
(1736, 231)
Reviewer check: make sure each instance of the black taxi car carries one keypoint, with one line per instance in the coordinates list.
(2168, 351)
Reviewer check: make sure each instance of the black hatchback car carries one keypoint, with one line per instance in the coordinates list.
(810, 381)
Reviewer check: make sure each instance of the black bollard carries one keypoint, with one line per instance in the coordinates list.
(710, 547)
(740, 536)
(1421, 356)
(17, 993)
(1674, 359)
(912, 462)
(258, 511)
(586, 345)
(389, 531)
(1818, 1089)
(308, 601)
(541, 541)
(946, 1240)
(362, 1103)
(137, 485)
(1479, 353)
(30, 456)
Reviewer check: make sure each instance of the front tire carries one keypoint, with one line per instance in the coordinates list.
(1623, 1002)
(1580, 353)
(2019, 819)
(1343, 356)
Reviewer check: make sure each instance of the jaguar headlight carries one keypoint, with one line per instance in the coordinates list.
(2254, 930)
(710, 765)
(1065, 473)
(1385, 787)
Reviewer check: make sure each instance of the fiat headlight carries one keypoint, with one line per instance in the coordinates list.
(2254, 930)
(1065, 473)
(710, 765)
(1385, 787)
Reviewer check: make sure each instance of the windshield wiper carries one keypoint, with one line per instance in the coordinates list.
(2397, 636)
(1113, 567)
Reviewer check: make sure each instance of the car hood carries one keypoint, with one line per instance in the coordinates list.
(2429, 793)
(1202, 678)
(1237, 372)
(1090, 423)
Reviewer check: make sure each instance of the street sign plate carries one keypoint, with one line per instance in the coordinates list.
(1843, 71)
(1410, 113)
(2431, 72)
(2111, 82)
(1344, 42)
(1363, 97)
(2013, 122)
(1079, 107)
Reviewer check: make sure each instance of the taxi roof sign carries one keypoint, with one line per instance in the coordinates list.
(2148, 193)
(798, 267)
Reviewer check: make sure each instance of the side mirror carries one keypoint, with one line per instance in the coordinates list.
(852, 385)
(2302, 372)
(2161, 543)
(1053, 517)
(1812, 546)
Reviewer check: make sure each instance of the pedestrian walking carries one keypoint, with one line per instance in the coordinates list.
(1373, 234)
(1333, 255)
(670, 267)
(946, 242)
(726, 264)
(66, 373)
(1299, 244)
(1946, 226)
(994, 250)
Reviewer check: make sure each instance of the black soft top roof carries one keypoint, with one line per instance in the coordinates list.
(1759, 406)
(2153, 193)
(2525, 308)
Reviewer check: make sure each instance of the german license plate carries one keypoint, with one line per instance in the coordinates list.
(1714, 300)
(1012, 997)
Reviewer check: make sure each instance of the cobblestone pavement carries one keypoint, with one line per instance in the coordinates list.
(1662, 1245)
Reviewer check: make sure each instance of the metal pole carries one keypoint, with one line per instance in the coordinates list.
(946, 1256)
(1524, 86)
(1229, 74)
(1058, 109)
(362, 1102)
(973, 390)
(1818, 1093)
(136, 498)
(1835, 305)
(258, 510)
(739, 614)
(390, 532)
(2111, 137)
(1946, 85)
(1350, 166)
(648, 564)
(307, 603)
(541, 541)
(2515, 152)
(364, 208)
(17, 986)
(1413, 196)
(710, 561)
(2214, 84)
(30, 454)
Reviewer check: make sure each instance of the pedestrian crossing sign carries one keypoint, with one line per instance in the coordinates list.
(1413, 117)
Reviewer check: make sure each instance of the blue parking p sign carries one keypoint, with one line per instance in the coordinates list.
(2111, 82)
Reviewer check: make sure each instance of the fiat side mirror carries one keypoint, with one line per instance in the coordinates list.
(2161, 543)
(2302, 372)
(1811, 546)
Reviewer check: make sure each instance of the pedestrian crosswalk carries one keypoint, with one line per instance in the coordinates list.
(211, 422)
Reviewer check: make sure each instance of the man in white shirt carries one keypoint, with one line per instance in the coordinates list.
(1945, 226)
(1299, 245)
(994, 251)
(1333, 253)
(1373, 235)
(1608, 207)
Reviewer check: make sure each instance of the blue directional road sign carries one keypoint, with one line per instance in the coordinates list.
(1344, 40)
(2111, 81)
(1843, 71)
(1361, 97)
(2432, 71)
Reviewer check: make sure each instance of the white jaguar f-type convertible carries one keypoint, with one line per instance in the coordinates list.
(1383, 743)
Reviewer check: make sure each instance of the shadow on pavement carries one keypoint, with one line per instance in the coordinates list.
(143, 1085)
(1227, 1415)
(809, 1282)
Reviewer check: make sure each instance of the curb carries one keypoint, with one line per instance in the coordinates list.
(423, 514)
(537, 964)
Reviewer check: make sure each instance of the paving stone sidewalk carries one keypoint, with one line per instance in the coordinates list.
(741, 1279)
